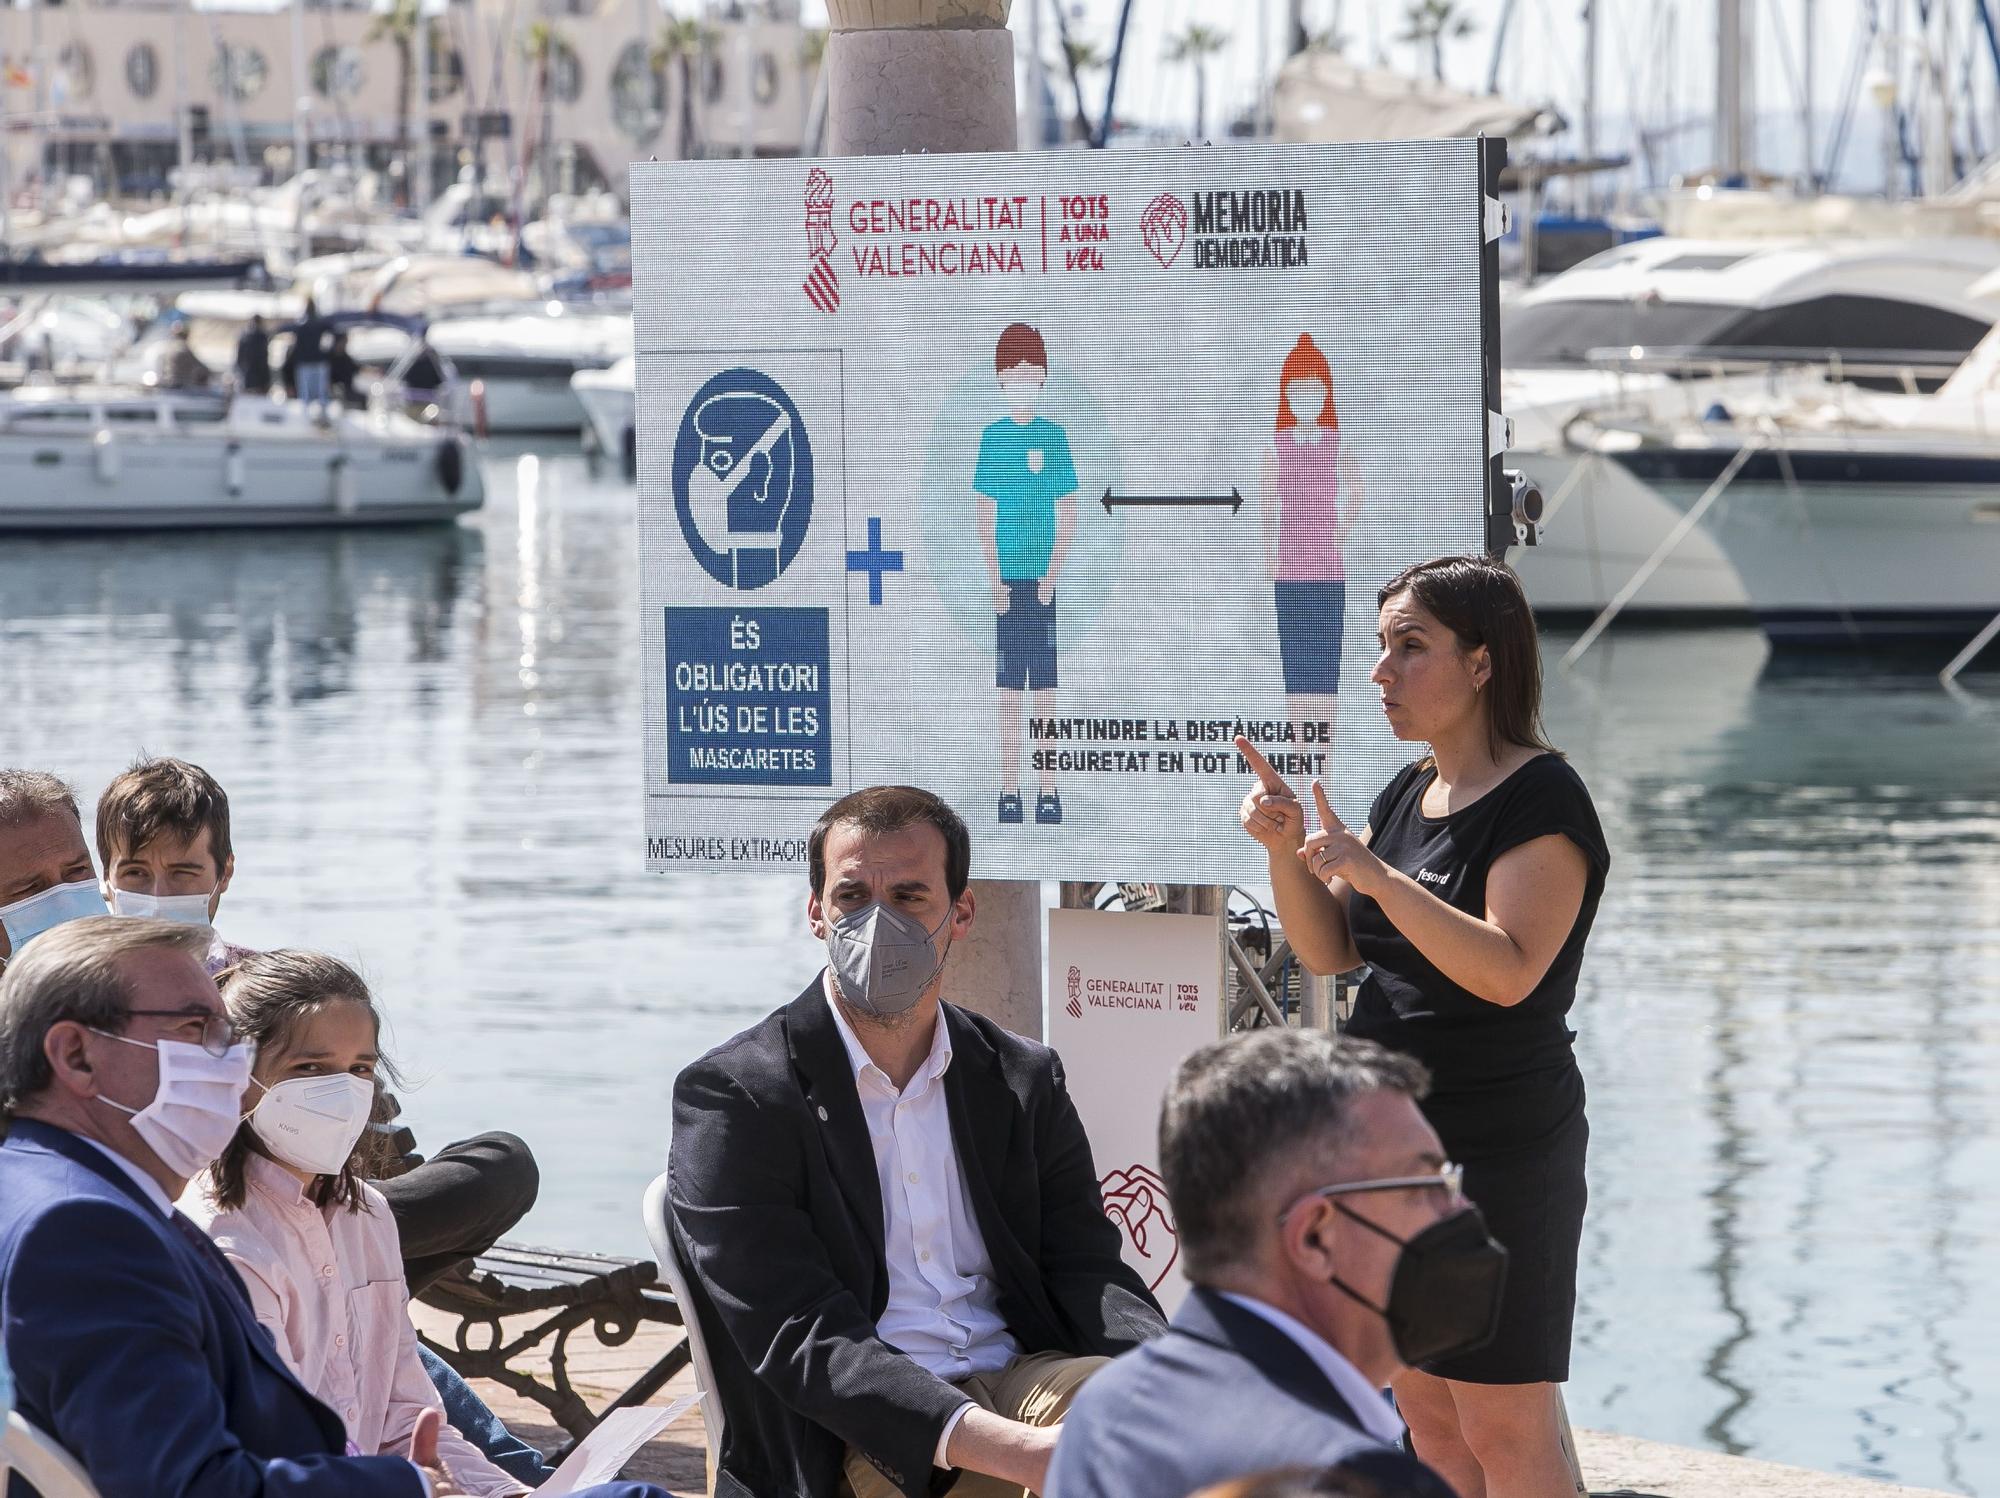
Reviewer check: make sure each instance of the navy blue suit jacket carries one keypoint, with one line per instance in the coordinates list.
(1222, 1395)
(133, 1345)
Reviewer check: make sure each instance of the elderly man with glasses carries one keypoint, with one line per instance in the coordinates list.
(1328, 1246)
(131, 1340)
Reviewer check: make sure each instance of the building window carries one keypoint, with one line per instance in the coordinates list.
(338, 73)
(764, 78)
(565, 72)
(638, 93)
(142, 70)
(76, 75)
(238, 70)
(447, 69)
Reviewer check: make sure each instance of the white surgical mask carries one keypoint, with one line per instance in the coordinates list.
(196, 1106)
(48, 908)
(311, 1123)
(189, 910)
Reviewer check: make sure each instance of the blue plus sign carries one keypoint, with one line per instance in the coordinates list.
(874, 561)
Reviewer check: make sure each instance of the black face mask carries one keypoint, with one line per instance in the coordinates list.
(1444, 1298)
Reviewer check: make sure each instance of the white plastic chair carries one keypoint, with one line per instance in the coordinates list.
(40, 1462)
(656, 1210)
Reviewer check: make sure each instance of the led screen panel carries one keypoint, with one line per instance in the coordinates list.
(1033, 478)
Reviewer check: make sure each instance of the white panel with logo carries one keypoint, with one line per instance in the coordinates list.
(1035, 478)
(1129, 997)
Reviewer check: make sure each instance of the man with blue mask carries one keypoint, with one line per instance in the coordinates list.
(46, 876)
(886, 1204)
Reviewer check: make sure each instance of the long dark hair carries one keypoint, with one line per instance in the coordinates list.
(1481, 602)
(267, 995)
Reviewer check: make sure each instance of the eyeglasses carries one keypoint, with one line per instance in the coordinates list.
(1449, 1179)
(217, 1033)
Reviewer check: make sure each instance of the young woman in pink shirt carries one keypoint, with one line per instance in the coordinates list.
(312, 1241)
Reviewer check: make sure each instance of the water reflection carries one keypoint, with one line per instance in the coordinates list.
(1788, 1033)
(1788, 1022)
(287, 607)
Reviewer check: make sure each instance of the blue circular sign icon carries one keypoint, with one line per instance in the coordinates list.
(743, 478)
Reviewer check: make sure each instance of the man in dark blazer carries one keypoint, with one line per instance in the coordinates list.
(131, 1340)
(887, 1206)
(1297, 1164)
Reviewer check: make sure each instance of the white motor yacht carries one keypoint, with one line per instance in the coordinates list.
(1853, 517)
(519, 365)
(118, 458)
(1664, 326)
(608, 402)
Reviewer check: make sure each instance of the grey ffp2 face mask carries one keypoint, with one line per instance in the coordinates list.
(883, 959)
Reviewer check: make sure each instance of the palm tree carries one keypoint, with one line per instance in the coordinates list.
(1427, 23)
(682, 41)
(542, 45)
(1194, 47)
(1080, 56)
(399, 25)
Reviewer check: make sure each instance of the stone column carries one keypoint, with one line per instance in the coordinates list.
(938, 76)
(919, 75)
(997, 970)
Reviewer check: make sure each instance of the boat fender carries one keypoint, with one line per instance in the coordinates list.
(232, 469)
(478, 393)
(104, 455)
(451, 466)
(345, 499)
(631, 453)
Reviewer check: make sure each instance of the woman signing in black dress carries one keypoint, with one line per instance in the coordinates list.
(1469, 895)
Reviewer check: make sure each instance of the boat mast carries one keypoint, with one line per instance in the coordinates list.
(301, 129)
(183, 120)
(1111, 76)
(420, 190)
(1260, 119)
(1735, 85)
(1806, 19)
(1590, 95)
(1499, 51)
(40, 65)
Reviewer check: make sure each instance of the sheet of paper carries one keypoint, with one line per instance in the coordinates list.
(602, 1455)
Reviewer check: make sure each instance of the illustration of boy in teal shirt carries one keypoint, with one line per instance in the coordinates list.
(1026, 483)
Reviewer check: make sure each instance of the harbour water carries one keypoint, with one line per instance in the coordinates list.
(1790, 1021)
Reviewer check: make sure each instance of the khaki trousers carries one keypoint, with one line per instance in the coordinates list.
(1035, 1389)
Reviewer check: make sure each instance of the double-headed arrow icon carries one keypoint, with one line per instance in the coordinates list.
(1150, 501)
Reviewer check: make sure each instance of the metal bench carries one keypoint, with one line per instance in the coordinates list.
(564, 1291)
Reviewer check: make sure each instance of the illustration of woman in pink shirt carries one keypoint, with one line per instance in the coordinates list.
(1312, 496)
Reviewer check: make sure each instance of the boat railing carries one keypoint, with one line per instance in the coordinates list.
(1697, 379)
(1909, 369)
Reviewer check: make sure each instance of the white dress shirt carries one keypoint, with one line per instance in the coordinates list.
(943, 1308)
(1377, 1418)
